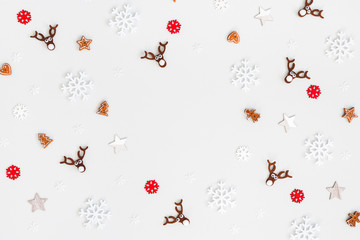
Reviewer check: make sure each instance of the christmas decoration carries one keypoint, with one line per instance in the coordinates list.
(221, 197)
(13, 172)
(221, 4)
(20, 112)
(291, 74)
(179, 218)
(49, 40)
(159, 58)
(5, 69)
(288, 122)
(243, 153)
(233, 37)
(24, 17)
(349, 114)
(264, 15)
(297, 196)
(318, 149)
(307, 10)
(313, 91)
(35, 90)
(79, 163)
(335, 191)
(339, 47)
(305, 230)
(124, 20)
(118, 143)
(37, 203)
(103, 109)
(95, 214)
(151, 187)
(44, 140)
(173, 26)
(84, 43)
(4, 142)
(17, 57)
(77, 86)
(354, 218)
(275, 176)
(245, 75)
(250, 113)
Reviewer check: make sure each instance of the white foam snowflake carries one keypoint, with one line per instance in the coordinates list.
(135, 219)
(260, 213)
(318, 149)
(292, 44)
(121, 180)
(79, 129)
(4, 142)
(60, 186)
(243, 153)
(20, 111)
(197, 48)
(221, 4)
(235, 229)
(33, 227)
(305, 230)
(35, 90)
(124, 20)
(190, 177)
(345, 155)
(221, 197)
(17, 57)
(245, 75)
(118, 72)
(339, 47)
(77, 86)
(344, 86)
(95, 214)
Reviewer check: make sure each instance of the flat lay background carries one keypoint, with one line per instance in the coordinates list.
(185, 118)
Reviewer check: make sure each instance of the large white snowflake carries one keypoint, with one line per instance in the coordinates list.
(221, 4)
(339, 47)
(77, 86)
(305, 230)
(243, 153)
(124, 20)
(95, 214)
(318, 149)
(221, 197)
(20, 111)
(245, 75)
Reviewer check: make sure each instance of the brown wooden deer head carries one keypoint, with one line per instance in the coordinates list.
(179, 218)
(159, 57)
(291, 74)
(49, 40)
(307, 10)
(275, 176)
(79, 163)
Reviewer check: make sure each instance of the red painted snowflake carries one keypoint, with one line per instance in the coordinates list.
(13, 172)
(173, 26)
(313, 91)
(24, 17)
(297, 195)
(151, 187)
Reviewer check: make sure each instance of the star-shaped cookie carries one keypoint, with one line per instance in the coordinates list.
(335, 191)
(84, 43)
(349, 114)
(264, 15)
(288, 122)
(118, 143)
(37, 203)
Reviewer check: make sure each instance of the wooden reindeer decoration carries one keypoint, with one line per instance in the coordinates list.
(79, 163)
(307, 10)
(291, 74)
(179, 218)
(159, 57)
(275, 176)
(49, 40)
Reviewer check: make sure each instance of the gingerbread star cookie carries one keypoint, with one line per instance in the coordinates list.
(349, 114)
(84, 43)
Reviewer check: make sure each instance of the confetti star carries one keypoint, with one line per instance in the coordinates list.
(288, 122)
(349, 114)
(37, 203)
(335, 191)
(118, 143)
(264, 15)
(84, 43)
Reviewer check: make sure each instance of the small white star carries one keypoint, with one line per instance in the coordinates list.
(335, 191)
(288, 122)
(37, 203)
(118, 143)
(35, 90)
(235, 229)
(264, 15)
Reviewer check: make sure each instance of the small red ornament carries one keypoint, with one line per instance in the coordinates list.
(13, 172)
(313, 91)
(173, 26)
(297, 195)
(24, 17)
(151, 187)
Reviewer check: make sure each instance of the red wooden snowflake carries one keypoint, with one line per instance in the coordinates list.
(173, 26)
(24, 17)
(151, 187)
(297, 195)
(13, 172)
(313, 91)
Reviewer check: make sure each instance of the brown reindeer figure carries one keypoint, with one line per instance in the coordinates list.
(179, 218)
(291, 74)
(354, 218)
(159, 57)
(307, 10)
(49, 40)
(275, 176)
(79, 163)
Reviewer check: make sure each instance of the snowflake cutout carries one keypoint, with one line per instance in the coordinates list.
(221, 197)
(305, 230)
(121, 180)
(4, 142)
(17, 57)
(245, 75)
(135, 220)
(190, 177)
(345, 156)
(118, 72)
(292, 44)
(297, 196)
(151, 187)
(33, 227)
(95, 214)
(77, 86)
(24, 17)
(313, 91)
(20, 112)
(124, 20)
(339, 47)
(79, 129)
(60, 186)
(221, 4)
(235, 229)
(243, 153)
(260, 213)
(35, 90)
(173, 26)
(13, 172)
(318, 149)
(344, 86)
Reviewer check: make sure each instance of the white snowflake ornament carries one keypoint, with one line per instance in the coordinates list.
(243, 153)
(221, 4)
(305, 230)
(221, 197)
(245, 75)
(34, 90)
(95, 214)
(318, 149)
(124, 20)
(4, 142)
(339, 47)
(77, 86)
(20, 111)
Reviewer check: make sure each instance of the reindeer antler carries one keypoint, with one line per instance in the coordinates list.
(273, 176)
(152, 56)
(68, 161)
(52, 30)
(36, 36)
(83, 150)
(164, 47)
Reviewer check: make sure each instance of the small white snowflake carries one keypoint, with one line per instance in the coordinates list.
(197, 48)
(121, 180)
(77, 86)
(221, 4)
(292, 44)
(35, 90)
(4, 142)
(344, 86)
(17, 57)
(95, 214)
(190, 177)
(318, 149)
(118, 72)
(135, 219)
(345, 156)
(124, 20)
(79, 129)
(340, 47)
(20, 111)
(235, 229)
(33, 227)
(60, 186)
(305, 230)
(221, 197)
(260, 213)
(243, 153)
(245, 75)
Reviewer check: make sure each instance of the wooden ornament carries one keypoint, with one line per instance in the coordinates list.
(250, 113)
(233, 37)
(44, 140)
(103, 109)
(354, 218)
(5, 69)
